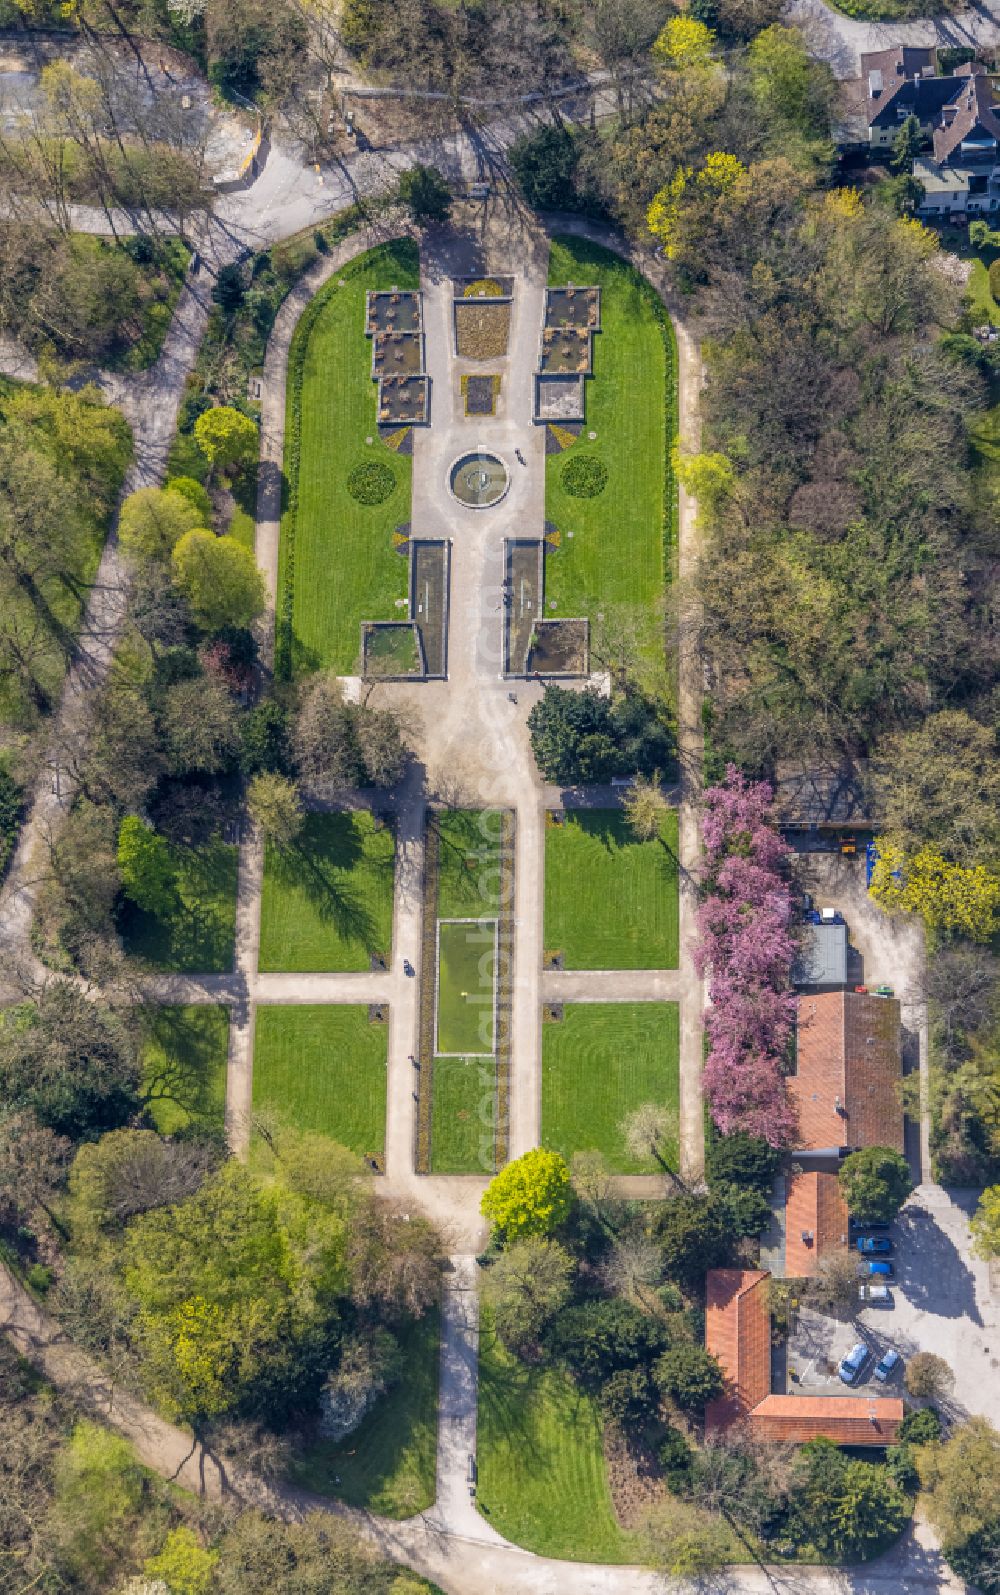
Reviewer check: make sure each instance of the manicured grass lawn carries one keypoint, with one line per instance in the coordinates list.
(200, 938)
(323, 1069)
(617, 552)
(984, 307)
(388, 1464)
(986, 446)
(542, 1479)
(463, 1119)
(610, 900)
(345, 568)
(466, 970)
(184, 1067)
(327, 903)
(598, 1063)
(469, 881)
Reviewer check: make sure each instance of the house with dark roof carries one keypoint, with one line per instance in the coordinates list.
(738, 1334)
(848, 1065)
(959, 115)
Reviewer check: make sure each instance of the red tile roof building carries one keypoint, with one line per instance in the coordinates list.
(847, 1072)
(815, 1222)
(738, 1334)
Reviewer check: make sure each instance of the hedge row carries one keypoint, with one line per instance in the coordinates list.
(428, 988)
(505, 986)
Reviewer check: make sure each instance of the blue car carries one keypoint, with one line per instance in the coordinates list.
(874, 1243)
(878, 1268)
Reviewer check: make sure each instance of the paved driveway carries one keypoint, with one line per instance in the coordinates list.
(942, 1303)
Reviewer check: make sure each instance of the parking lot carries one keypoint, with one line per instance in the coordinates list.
(942, 1302)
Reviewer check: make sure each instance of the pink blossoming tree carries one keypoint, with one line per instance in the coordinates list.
(745, 947)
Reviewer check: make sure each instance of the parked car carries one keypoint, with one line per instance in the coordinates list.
(874, 1295)
(853, 1363)
(885, 1369)
(878, 1268)
(855, 1223)
(873, 1243)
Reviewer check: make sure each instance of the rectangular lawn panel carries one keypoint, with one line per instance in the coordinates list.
(323, 1068)
(600, 1062)
(388, 1465)
(617, 555)
(184, 1060)
(468, 880)
(466, 1001)
(199, 937)
(463, 1133)
(611, 901)
(327, 901)
(542, 1477)
(337, 561)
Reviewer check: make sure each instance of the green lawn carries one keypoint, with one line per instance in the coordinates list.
(323, 1069)
(200, 938)
(466, 971)
(344, 568)
(617, 554)
(463, 1126)
(984, 307)
(598, 1063)
(610, 900)
(388, 1464)
(327, 904)
(184, 1067)
(468, 883)
(542, 1479)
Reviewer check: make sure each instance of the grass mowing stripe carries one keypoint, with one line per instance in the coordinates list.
(542, 1478)
(466, 1005)
(599, 1062)
(618, 554)
(323, 1069)
(327, 901)
(337, 563)
(611, 901)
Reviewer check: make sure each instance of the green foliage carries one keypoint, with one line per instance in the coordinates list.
(675, 1458)
(426, 194)
(985, 1224)
(183, 1563)
(842, 1505)
(628, 1397)
(237, 1289)
(228, 439)
(692, 1233)
(70, 1061)
(371, 483)
(192, 490)
(99, 1490)
(11, 808)
(531, 1196)
(596, 1338)
(788, 84)
(264, 740)
(690, 1375)
(526, 1286)
(921, 1427)
(219, 579)
(875, 1183)
(741, 1159)
(545, 164)
(154, 519)
(147, 868)
(584, 476)
(572, 736)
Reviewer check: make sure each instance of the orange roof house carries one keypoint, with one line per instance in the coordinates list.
(848, 1067)
(738, 1334)
(815, 1221)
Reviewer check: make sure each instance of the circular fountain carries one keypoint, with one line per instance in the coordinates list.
(479, 479)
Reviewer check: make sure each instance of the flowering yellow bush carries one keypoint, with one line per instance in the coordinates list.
(947, 896)
(684, 42)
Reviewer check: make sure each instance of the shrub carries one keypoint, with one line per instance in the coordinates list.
(545, 165)
(584, 476)
(531, 1196)
(995, 279)
(741, 1159)
(628, 1397)
(11, 804)
(691, 1375)
(194, 492)
(921, 1428)
(875, 1183)
(675, 1459)
(597, 1338)
(371, 483)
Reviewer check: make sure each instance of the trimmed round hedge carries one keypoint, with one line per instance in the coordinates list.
(371, 483)
(584, 476)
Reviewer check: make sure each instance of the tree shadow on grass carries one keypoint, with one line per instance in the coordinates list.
(320, 865)
(186, 1073)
